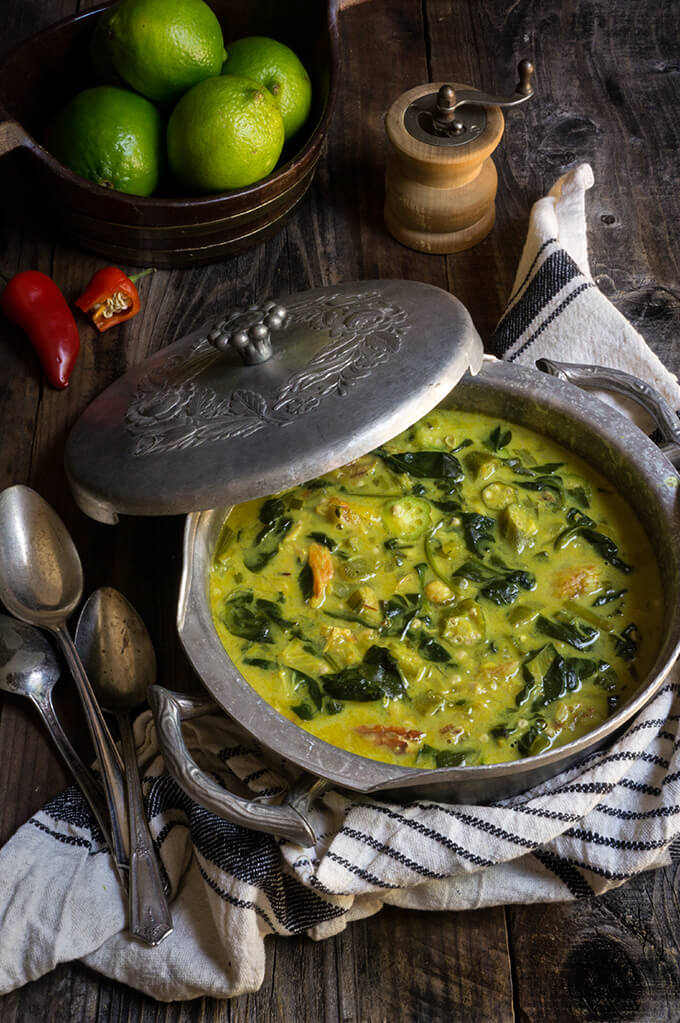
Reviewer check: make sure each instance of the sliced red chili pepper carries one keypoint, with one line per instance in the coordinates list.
(111, 297)
(33, 302)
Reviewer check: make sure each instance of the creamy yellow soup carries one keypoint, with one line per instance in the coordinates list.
(470, 593)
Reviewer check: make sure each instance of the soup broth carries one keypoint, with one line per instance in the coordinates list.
(470, 593)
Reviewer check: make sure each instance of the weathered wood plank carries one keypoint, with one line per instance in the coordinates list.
(607, 91)
(614, 958)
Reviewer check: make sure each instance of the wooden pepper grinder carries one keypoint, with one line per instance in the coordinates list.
(440, 183)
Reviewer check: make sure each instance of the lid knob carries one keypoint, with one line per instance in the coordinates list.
(248, 331)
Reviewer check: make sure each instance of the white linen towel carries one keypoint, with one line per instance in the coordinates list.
(592, 828)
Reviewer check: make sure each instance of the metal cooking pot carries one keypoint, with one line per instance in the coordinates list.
(607, 440)
(270, 397)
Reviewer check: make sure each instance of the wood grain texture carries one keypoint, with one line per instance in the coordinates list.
(608, 90)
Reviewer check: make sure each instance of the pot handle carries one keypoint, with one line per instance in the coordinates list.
(602, 378)
(286, 820)
(12, 136)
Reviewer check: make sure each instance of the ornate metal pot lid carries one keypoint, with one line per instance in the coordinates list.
(269, 397)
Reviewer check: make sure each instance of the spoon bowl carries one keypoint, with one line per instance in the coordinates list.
(116, 650)
(28, 663)
(41, 575)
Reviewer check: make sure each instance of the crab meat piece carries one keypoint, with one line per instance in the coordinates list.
(451, 733)
(498, 671)
(321, 564)
(395, 737)
(336, 639)
(574, 582)
(359, 467)
(341, 513)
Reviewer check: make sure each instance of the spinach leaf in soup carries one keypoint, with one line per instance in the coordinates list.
(576, 634)
(424, 464)
(272, 509)
(447, 757)
(565, 675)
(626, 645)
(267, 544)
(252, 618)
(398, 613)
(581, 525)
(376, 677)
(499, 585)
(551, 486)
(498, 438)
(306, 581)
(431, 650)
(300, 679)
(478, 532)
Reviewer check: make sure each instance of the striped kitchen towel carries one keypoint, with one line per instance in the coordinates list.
(615, 814)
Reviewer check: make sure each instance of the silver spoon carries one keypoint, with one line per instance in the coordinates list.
(41, 582)
(117, 652)
(29, 667)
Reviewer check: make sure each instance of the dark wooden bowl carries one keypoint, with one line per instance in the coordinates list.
(43, 72)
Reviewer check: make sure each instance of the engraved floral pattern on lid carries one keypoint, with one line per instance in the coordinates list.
(170, 410)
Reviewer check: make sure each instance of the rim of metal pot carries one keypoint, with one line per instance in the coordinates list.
(350, 770)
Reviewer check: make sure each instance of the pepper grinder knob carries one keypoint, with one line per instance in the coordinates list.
(525, 70)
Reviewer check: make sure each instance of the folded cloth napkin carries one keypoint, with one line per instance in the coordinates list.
(597, 824)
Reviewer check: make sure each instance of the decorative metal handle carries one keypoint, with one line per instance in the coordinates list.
(602, 378)
(248, 331)
(284, 820)
(150, 918)
(105, 749)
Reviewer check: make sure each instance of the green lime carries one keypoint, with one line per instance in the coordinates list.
(100, 58)
(277, 68)
(161, 47)
(226, 132)
(110, 136)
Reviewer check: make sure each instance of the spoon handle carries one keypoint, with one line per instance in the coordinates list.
(107, 754)
(82, 774)
(150, 918)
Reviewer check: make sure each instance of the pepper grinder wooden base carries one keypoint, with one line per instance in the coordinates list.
(439, 197)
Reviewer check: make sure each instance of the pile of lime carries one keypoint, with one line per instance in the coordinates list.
(171, 95)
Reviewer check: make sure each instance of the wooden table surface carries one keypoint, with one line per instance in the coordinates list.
(608, 91)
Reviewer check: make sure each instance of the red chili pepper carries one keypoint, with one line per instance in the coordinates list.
(33, 302)
(111, 297)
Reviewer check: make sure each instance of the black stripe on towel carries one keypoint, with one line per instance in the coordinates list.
(81, 843)
(393, 854)
(593, 838)
(539, 253)
(567, 873)
(365, 875)
(553, 316)
(554, 275)
(636, 815)
(428, 832)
